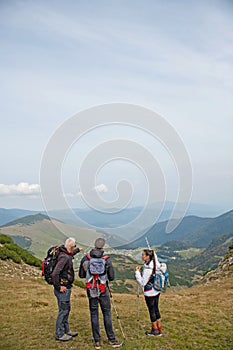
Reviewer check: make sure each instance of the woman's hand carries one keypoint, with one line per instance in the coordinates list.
(137, 268)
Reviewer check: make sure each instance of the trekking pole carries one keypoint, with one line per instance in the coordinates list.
(138, 320)
(148, 245)
(117, 315)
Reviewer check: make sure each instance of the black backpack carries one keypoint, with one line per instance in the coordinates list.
(49, 263)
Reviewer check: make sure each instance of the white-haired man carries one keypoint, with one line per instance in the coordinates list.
(63, 277)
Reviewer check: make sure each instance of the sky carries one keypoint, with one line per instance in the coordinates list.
(59, 58)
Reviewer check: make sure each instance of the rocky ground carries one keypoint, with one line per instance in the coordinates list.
(20, 271)
(224, 269)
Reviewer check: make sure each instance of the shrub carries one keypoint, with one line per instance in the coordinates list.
(9, 254)
(5, 239)
(3, 253)
(25, 256)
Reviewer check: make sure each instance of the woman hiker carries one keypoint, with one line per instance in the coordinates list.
(151, 295)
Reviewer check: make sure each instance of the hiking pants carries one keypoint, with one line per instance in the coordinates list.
(153, 307)
(105, 305)
(63, 301)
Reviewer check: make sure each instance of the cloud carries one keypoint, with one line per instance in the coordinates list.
(98, 188)
(73, 195)
(21, 189)
(101, 188)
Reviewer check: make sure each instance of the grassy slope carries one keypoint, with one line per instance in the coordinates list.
(44, 234)
(195, 318)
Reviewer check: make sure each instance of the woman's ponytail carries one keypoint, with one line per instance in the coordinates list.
(151, 254)
(154, 261)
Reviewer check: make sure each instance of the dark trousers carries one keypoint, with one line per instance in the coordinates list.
(105, 305)
(63, 301)
(153, 307)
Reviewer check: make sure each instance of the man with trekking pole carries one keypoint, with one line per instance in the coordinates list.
(98, 270)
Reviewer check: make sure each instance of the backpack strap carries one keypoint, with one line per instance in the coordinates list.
(103, 257)
(55, 249)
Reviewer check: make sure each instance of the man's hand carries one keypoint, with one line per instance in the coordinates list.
(80, 249)
(62, 289)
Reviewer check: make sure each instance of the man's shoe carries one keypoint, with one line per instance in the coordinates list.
(115, 343)
(97, 345)
(153, 332)
(65, 337)
(72, 334)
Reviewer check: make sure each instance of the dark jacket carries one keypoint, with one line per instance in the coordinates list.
(96, 253)
(63, 274)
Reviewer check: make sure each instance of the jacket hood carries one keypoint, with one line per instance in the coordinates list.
(96, 253)
(63, 249)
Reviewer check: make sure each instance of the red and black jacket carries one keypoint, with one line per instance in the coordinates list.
(63, 273)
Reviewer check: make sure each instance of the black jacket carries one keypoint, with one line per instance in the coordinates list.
(96, 253)
(63, 274)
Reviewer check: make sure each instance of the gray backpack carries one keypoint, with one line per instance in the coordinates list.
(96, 276)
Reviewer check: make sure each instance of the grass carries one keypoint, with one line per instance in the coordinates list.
(194, 318)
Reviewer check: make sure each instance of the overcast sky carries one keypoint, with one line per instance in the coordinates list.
(60, 57)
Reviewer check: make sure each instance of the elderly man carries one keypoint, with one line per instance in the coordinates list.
(63, 277)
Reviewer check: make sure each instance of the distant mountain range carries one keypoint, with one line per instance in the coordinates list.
(195, 231)
(106, 219)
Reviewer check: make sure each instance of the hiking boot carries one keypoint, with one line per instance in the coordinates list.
(153, 332)
(115, 343)
(65, 337)
(72, 334)
(97, 345)
(159, 329)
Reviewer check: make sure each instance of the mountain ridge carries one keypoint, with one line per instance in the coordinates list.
(7, 215)
(196, 231)
(29, 220)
